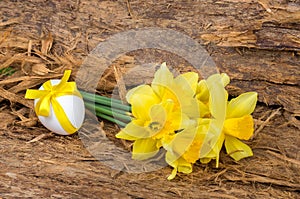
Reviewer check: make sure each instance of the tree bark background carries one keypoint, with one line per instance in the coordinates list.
(257, 43)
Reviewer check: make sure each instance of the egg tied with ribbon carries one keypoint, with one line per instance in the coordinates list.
(59, 105)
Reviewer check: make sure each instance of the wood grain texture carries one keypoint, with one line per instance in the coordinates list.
(256, 42)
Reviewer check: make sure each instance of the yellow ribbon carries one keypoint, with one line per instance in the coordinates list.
(48, 96)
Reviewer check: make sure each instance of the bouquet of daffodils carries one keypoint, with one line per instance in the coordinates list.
(188, 118)
(191, 120)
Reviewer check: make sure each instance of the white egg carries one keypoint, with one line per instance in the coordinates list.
(73, 107)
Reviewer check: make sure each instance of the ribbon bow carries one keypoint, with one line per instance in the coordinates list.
(48, 96)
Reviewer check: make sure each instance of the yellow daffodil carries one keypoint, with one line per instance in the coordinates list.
(213, 99)
(190, 120)
(203, 93)
(184, 148)
(158, 112)
(180, 90)
(238, 125)
(214, 96)
(151, 122)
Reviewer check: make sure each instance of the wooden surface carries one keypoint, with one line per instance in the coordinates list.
(257, 43)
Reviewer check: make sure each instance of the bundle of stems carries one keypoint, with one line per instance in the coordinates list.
(110, 109)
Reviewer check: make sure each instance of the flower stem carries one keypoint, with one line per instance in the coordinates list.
(111, 119)
(110, 102)
(104, 110)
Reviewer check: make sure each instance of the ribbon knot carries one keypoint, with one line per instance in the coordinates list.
(48, 97)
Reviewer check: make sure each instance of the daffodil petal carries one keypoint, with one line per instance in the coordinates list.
(182, 141)
(187, 82)
(141, 105)
(218, 98)
(142, 89)
(173, 174)
(214, 153)
(225, 79)
(217, 105)
(171, 158)
(179, 165)
(163, 79)
(184, 166)
(158, 117)
(202, 91)
(177, 120)
(168, 105)
(173, 162)
(242, 105)
(190, 106)
(141, 99)
(241, 128)
(193, 152)
(158, 114)
(182, 121)
(125, 136)
(133, 131)
(144, 149)
(205, 160)
(237, 149)
(203, 109)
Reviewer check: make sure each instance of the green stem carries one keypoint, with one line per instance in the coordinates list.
(111, 119)
(110, 102)
(104, 110)
(100, 97)
(114, 110)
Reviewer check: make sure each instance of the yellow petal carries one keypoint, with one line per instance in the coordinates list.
(242, 105)
(170, 94)
(162, 119)
(213, 140)
(225, 79)
(163, 79)
(133, 131)
(217, 106)
(205, 160)
(141, 105)
(214, 153)
(202, 93)
(190, 106)
(193, 152)
(182, 141)
(142, 89)
(168, 106)
(142, 98)
(173, 174)
(181, 121)
(237, 149)
(187, 82)
(184, 166)
(172, 161)
(158, 117)
(241, 128)
(184, 88)
(125, 136)
(218, 98)
(144, 149)
(203, 109)
(179, 164)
